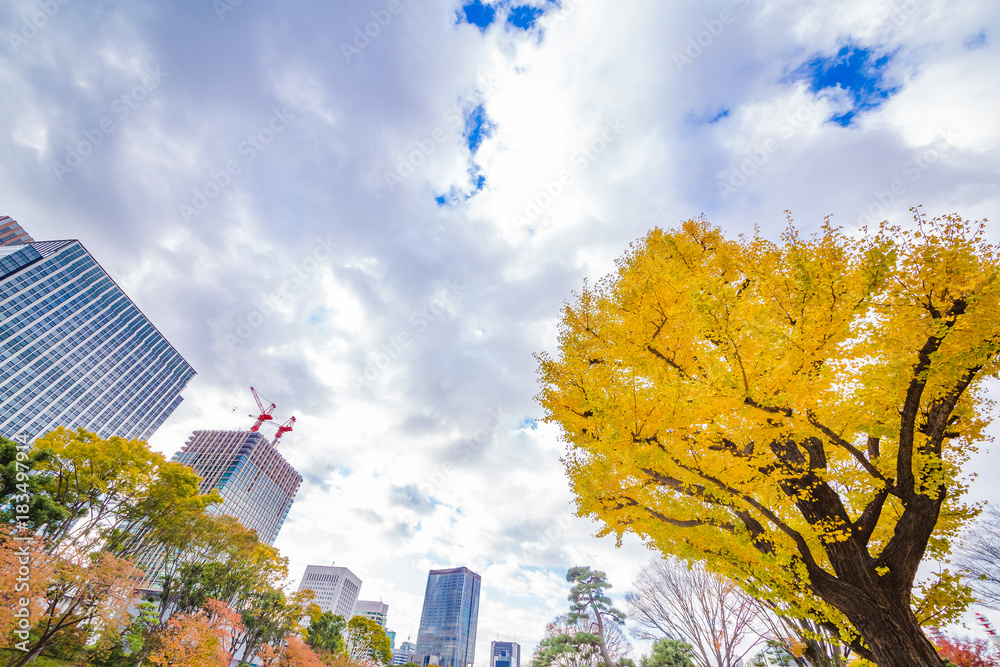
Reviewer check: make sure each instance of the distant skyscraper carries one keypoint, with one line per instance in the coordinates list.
(449, 618)
(407, 652)
(75, 351)
(256, 482)
(12, 233)
(505, 654)
(373, 609)
(336, 588)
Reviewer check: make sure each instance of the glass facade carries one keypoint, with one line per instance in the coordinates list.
(449, 618)
(75, 351)
(257, 484)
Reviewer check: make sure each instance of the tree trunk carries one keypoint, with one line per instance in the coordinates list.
(604, 649)
(892, 632)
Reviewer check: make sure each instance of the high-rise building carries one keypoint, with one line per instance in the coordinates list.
(75, 351)
(505, 654)
(257, 484)
(12, 233)
(449, 618)
(407, 652)
(336, 588)
(373, 609)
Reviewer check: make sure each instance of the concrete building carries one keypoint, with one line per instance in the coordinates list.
(336, 588)
(257, 484)
(449, 618)
(373, 609)
(505, 654)
(74, 350)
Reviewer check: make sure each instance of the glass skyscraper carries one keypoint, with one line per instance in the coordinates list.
(256, 482)
(449, 618)
(75, 351)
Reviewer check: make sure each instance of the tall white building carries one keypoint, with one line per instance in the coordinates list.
(373, 609)
(336, 588)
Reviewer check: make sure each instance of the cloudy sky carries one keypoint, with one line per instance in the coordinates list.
(372, 211)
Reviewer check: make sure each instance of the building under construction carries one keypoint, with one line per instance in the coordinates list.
(257, 484)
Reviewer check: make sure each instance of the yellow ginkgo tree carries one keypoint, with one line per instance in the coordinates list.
(793, 414)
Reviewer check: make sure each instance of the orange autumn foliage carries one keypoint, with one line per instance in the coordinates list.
(201, 639)
(968, 652)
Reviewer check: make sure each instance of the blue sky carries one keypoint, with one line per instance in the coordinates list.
(373, 212)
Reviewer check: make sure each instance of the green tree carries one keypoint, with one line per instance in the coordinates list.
(587, 599)
(119, 496)
(137, 640)
(367, 642)
(567, 645)
(671, 653)
(91, 489)
(326, 633)
(794, 414)
(27, 489)
(269, 618)
(577, 644)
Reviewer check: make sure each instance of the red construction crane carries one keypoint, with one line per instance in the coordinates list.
(265, 414)
(283, 429)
